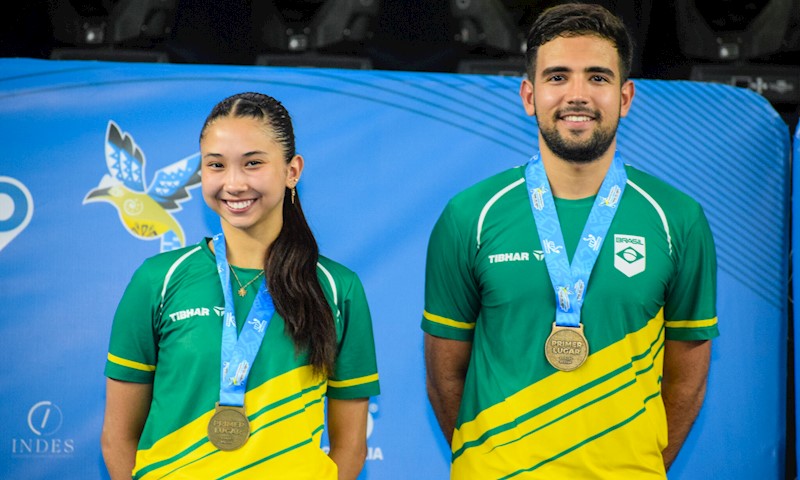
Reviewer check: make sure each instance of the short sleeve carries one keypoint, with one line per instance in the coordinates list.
(690, 311)
(356, 370)
(452, 300)
(132, 350)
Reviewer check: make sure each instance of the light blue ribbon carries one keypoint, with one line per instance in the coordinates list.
(239, 351)
(570, 280)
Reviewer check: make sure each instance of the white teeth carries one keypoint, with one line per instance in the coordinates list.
(240, 205)
(576, 118)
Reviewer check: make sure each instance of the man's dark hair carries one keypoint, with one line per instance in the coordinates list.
(578, 19)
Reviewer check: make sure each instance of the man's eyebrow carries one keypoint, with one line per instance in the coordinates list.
(564, 69)
(555, 69)
(603, 70)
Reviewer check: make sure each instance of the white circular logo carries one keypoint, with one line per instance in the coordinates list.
(373, 408)
(133, 206)
(6, 206)
(45, 418)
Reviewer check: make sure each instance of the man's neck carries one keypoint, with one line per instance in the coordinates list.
(570, 180)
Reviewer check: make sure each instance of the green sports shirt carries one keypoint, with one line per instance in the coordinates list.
(487, 282)
(167, 331)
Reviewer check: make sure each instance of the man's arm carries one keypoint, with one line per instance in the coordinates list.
(347, 430)
(683, 388)
(446, 363)
(127, 406)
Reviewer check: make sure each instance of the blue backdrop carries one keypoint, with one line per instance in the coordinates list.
(384, 151)
(795, 284)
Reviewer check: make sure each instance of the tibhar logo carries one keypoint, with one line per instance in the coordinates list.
(145, 210)
(44, 421)
(189, 313)
(629, 254)
(509, 257)
(16, 209)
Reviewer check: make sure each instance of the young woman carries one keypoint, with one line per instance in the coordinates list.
(221, 353)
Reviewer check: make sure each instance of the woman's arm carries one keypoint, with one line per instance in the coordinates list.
(347, 430)
(127, 405)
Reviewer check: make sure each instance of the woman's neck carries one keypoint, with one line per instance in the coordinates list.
(245, 249)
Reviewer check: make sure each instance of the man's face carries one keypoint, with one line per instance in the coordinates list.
(576, 97)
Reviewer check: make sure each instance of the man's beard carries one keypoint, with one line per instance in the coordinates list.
(579, 152)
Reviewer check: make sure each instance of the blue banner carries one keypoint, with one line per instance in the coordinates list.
(384, 152)
(795, 284)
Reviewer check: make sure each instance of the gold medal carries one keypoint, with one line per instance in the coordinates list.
(228, 428)
(566, 348)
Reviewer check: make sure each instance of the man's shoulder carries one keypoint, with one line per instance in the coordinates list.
(474, 198)
(659, 190)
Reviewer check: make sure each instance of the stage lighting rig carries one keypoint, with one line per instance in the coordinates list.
(331, 33)
(123, 30)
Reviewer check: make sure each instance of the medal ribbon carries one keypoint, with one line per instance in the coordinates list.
(239, 351)
(570, 280)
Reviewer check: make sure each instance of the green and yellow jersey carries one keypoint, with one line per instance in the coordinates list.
(167, 331)
(487, 282)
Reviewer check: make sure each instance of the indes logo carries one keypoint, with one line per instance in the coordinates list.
(145, 210)
(629, 254)
(44, 421)
(16, 209)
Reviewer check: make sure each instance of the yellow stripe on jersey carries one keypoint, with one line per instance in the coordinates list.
(131, 364)
(447, 321)
(691, 323)
(279, 425)
(548, 419)
(353, 381)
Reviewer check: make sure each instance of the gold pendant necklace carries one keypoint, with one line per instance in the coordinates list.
(243, 288)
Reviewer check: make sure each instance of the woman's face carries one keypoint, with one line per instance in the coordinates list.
(245, 175)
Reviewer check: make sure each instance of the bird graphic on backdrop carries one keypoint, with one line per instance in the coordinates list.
(145, 211)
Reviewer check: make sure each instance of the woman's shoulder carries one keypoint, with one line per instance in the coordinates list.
(336, 275)
(334, 268)
(171, 259)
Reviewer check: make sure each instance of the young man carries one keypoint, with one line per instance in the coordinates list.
(570, 302)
